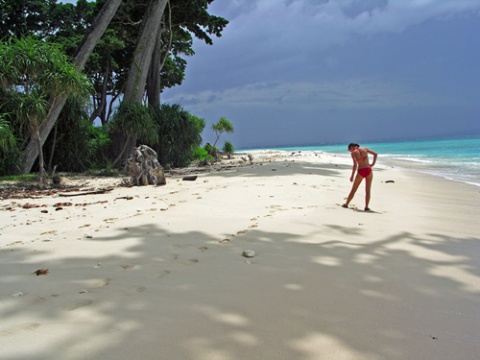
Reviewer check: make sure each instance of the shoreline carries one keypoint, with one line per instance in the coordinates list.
(143, 271)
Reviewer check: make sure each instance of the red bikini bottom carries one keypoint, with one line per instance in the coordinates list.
(364, 172)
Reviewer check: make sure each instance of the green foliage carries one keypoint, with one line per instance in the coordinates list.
(34, 73)
(79, 145)
(9, 151)
(202, 155)
(180, 135)
(221, 126)
(136, 120)
(228, 148)
(7, 138)
(22, 178)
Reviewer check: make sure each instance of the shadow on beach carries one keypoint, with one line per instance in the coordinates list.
(186, 296)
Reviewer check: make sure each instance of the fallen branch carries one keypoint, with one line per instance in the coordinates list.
(101, 191)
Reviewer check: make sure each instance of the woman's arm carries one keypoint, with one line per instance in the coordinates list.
(354, 168)
(374, 157)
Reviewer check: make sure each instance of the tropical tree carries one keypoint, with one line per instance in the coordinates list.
(133, 121)
(223, 125)
(8, 145)
(179, 135)
(91, 38)
(228, 149)
(34, 75)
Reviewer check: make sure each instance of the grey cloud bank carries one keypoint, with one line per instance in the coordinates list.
(308, 72)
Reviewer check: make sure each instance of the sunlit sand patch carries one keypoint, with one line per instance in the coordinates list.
(378, 295)
(94, 283)
(294, 287)
(321, 346)
(365, 258)
(244, 338)
(469, 281)
(327, 261)
(224, 317)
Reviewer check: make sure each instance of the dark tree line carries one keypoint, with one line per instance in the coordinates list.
(129, 51)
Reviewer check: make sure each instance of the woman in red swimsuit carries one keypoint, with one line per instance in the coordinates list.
(360, 162)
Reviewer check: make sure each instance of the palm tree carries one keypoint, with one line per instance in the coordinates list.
(133, 121)
(223, 125)
(35, 74)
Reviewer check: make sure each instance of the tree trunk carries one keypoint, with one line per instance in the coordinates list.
(142, 58)
(153, 80)
(42, 179)
(84, 50)
(101, 109)
(160, 53)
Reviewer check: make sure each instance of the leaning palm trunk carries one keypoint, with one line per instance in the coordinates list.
(142, 59)
(89, 42)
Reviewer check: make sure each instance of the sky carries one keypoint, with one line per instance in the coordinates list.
(311, 72)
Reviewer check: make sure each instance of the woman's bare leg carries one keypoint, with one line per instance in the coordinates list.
(356, 184)
(368, 187)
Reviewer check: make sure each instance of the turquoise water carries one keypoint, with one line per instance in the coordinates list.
(454, 159)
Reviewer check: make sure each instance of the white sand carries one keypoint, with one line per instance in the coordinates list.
(162, 276)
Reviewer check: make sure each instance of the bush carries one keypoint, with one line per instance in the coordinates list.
(202, 155)
(180, 135)
(228, 149)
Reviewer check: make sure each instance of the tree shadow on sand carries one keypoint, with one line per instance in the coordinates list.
(331, 294)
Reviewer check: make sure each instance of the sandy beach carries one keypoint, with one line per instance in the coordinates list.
(161, 272)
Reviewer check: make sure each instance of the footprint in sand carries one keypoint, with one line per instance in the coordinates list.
(110, 220)
(97, 283)
(190, 262)
(162, 273)
(127, 266)
(16, 329)
(203, 248)
(80, 304)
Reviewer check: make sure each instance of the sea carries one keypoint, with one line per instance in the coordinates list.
(456, 159)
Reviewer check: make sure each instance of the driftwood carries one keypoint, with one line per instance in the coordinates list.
(100, 191)
(144, 169)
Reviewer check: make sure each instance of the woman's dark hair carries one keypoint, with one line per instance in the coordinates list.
(351, 145)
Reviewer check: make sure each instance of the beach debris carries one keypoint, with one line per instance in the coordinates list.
(144, 168)
(60, 204)
(95, 192)
(124, 197)
(41, 272)
(389, 182)
(88, 236)
(189, 178)
(249, 253)
(45, 211)
(83, 292)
